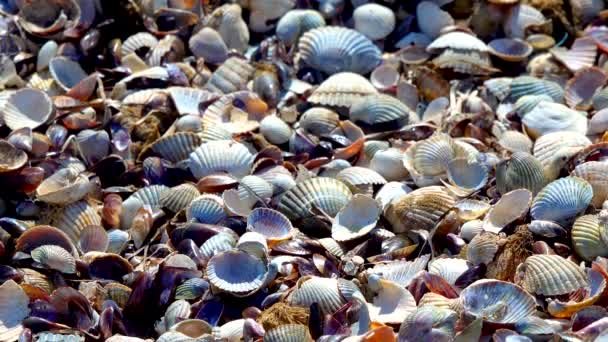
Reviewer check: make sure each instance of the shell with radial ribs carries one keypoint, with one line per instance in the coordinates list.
(551, 275)
(342, 90)
(562, 199)
(420, 209)
(328, 194)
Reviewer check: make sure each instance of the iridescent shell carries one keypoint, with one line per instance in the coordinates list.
(562, 199)
(428, 323)
(509, 49)
(587, 237)
(549, 117)
(420, 209)
(498, 301)
(448, 268)
(177, 146)
(273, 225)
(247, 277)
(179, 197)
(206, 208)
(520, 18)
(54, 257)
(374, 21)
(220, 156)
(75, 217)
(356, 219)
(288, 333)
(335, 49)
(551, 275)
(382, 109)
(581, 54)
(514, 141)
(323, 291)
(150, 195)
(178, 311)
(522, 170)
(580, 89)
(596, 173)
(231, 76)
(400, 271)
(342, 90)
(191, 289)
(297, 22)
(64, 186)
(432, 19)
(26, 108)
(482, 248)
(328, 194)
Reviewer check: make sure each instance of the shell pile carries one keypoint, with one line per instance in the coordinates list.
(295, 171)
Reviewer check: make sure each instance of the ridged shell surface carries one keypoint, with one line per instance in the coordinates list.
(374, 21)
(551, 275)
(177, 146)
(596, 173)
(482, 249)
(587, 238)
(521, 171)
(428, 323)
(288, 333)
(519, 18)
(54, 257)
(150, 195)
(510, 207)
(220, 156)
(562, 199)
(379, 109)
(297, 22)
(231, 76)
(319, 120)
(328, 194)
(357, 175)
(458, 41)
(187, 100)
(138, 41)
(319, 290)
(342, 90)
(498, 301)
(336, 49)
(228, 22)
(208, 44)
(400, 271)
(514, 141)
(528, 85)
(179, 197)
(206, 208)
(218, 243)
(75, 217)
(275, 130)
(549, 117)
(26, 108)
(580, 89)
(270, 223)
(448, 268)
(527, 103)
(420, 209)
(246, 277)
(581, 54)
(552, 144)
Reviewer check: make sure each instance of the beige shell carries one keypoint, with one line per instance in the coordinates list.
(420, 209)
(319, 121)
(482, 248)
(548, 117)
(54, 257)
(587, 238)
(275, 130)
(470, 229)
(74, 217)
(187, 100)
(342, 90)
(231, 76)
(64, 186)
(551, 275)
(288, 333)
(26, 108)
(448, 268)
(400, 271)
(359, 179)
(514, 141)
(389, 164)
(179, 197)
(329, 194)
(138, 41)
(273, 225)
(596, 173)
(323, 291)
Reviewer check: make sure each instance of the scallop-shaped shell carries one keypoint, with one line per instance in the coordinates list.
(557, 143)
(270, 223)
(580, 89)
(54, 257)
(342, 90)
(600, 99)
(420, 209)
(520, 18)
(470, 209)
(470, 229)
(562, 199)
(514, 141)
(328, 194)
(319, 121)
(248, 276)
(323, 291)
(522, 170)
(548, 117)
(75, 217)
(179, 197)
(150, 195)
(374, 21)
(187, 100)
(356, 219)
(439, 301)
(385, 77)
(191, 289)
(357, 176)
(587, 238)
(297, 22)
(117, 240)
(93, 145)
(275, 130)
(509, 49)
(218, 243)
(11, 158)
(392, 302)
(565, 309)
(288, 333)
(528, 85)
(227, 20)
(432, 19)
(66, 72)
(43, 235)
(580, 55)
(138, 41)
(482, 248)
(389, 164)
(428, 323)
(93, 238)
(400, 271)
(551, 275)
(381, 109)
(596, 173)
(177, 146)
(26, 108)
(220, 156)
(527, 103)
(498, 301)
(64, 186)
(169, 49)
(457, 40)
(231, 76)
(251, 190)
(13, 306)
(499, 87)
(206, 208)
(448, 268)
(335, 49)
(466, 177)
(209, 45)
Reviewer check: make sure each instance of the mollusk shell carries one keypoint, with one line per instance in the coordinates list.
(248, 276)
(596, 173)
(392, 302)
(231, 76)
(580, 89)
(271, 224)
(319, 121)
(150, 195)
(381, 109)
(514, 141)
(12, 158)
(275, 130)
(469, 229)
(220, 156)
(432, 19)
(374, 21)
(138, 41)
(597, 286)
(288, 333)
(511, 50)
(217, 243)
(400, 271)
(420, 209)
(54, 257)
(548, 117)
(587, 237)
(66, 72)
(482, 248)
(329, 194)
(206, 208)
(177, 146)
(448, 268)
(228, 22)
(527, 103)
(562, 199)
(428, 323)
(498, 301)
(319, 290)
(64, 186)
(557, 143)
(75, 217)
(356, 219)
(466, 177)
(580, 55)
(187, 100)
(208, 44)
(297, 22)
(179, 197)
(551, 275)
(342, 90)
(528, 85)
(521, 171)
(26, 108)
(521, 17)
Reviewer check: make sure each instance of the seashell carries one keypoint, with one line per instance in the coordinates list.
(546, 228)
(12, 157)
(581, 88)
(374, 21)
(26, 108)
(177, 146)
(328, 194)
(598, 123)
(220, 156)
(319, 290)
(356, 219)
(420, 209)
(389, 164)
(206, 208)
(333, 247)
(342, 90)
(439, 301)
(117, 240)
(192, 328)
(498, 301)
(66, 72)
(169, 49)
(208, 44)
(596, 173)
(334, 49)
(562, 199)
(288, 333)
(482, 248)
(238, 281)
(528, 85)
(381, 110)
(50, 337)
(150, 195)
(520, 18)
(251, 190)
(273, 225)
(275, 130)
(187, 100)
(587, 239)
(218, 243)
(527, 103)
(191, 289)
(38, 236)
(554, 149)
(93, 239)
(228, 22)
(510, 49)
(93, 145)
(319, 121)
(522, 170)
(548, 117)
(385, 77)
(470, 229)
(439, 324)
(432, 19)
(469, 209)
(359, 178)
(514, 141)
(254, 244)
(585, 11)
(551, 275)
(263, 12)
(138, 42)
(540, 41)
(400, 271)
(448, 268)
(64, 186)
(597, 286)
(179, 197)
(464, 177)
(231, 76)
(239, 112)
(417, 39)
(391, 191)
(581, 54)
(392, 302)
(13, 305)
(54, 257)
(600, 99)
(297, 22)
(46, 53)
(74, 217)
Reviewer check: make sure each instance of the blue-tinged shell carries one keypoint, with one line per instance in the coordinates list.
(562, 199)
(206, 208)
(497, 301)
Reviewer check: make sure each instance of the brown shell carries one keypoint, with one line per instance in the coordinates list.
(420, 209)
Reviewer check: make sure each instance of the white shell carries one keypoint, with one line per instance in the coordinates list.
(248, 276)
(389, 164)
(596, 173)
(342, 90)
(26, 108)
(66, 72)
(374, 21)
(187, 100)
(448, 268)
(138, 41)
(521, 17)
(432, 19)
(270, 223)
(329, 194)
(391, 191)
(356, 219)
(296, 22)
(208, 44)
(392, 303)
(548, 117)
(220, 156)
(323, 291)
(275, 130)
(14, 306)
(511, 206)
(64, 186)
(458, 40)
(562, 199)
(227, 20)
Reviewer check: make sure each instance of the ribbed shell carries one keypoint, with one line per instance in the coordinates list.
(323, 291)
(275, 130)
(26, 108)
(511, 207)
(549, 117)
(400, 271)
(270, 223)
(357, 175)
(138, 41)
(177, 146)
(519, 18)
(549, 145)
(329, 194)
(580, 55)
(428, 323)
(288, 333)
(236, 272)
(220, 156)
(470, 209)
(209, 45)
(420, 209)
(527, 103)
(551, 275)
(206, 208)
(596, 173)
(176, 312)
(580, 89)
(179, 197)
(457, 40)
(75, 217)
(118, 292)
(342, 90)
(562, 199)
(499, 87)
(448, 268)
(528, 85)
(333, 247)
(432, 19)
(191, 289)
(521, 171)
(93, 238)
(218, 243)
(498, 301)
(374, 21)
(231, 76)
(470, 229)
(356, 219)
(187, 100)
(587, 239)
(297, 22)
(117, 240)
(65, 186)
(335, 49)
(169, 49)
(319, 121)
(150, 195)
(514, 141)
(51, 337)
(379, 109)
(482, 248)
(54, 257)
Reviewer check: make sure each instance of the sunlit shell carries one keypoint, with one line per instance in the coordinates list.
(66, 72)
(238, 112)
(227, 20)
(254, 244)
(498, 301)
(374, 21)
(520, 18)
(150, 195)
(466, 177)
(549, 117)
(580, 89)
(75, 217)
(252, 189)
(470, 229)
(522, 170)
(356, 219)
(439, 301)
(26, 108)
(528, 85)
(218, 243)
(192, 329)
(12, 157)
(43, 235)
(93, 238)
(514, 141)
(220, 156)
(391, 191)
(178, 197)
(141, 40)
(389, 164)
(270, 223)
(177, 146)
(265, 11)
(596, 173)
(448, 268)
(335, 49)
(381, 109)
(342, 90)
(482, 248)
(428, 323)
(357, 178)
(93, 145)
(580, 55)
(187, 100)
(558, 144)
(432, 19)
(64, 186)
(13, 305)
(177, 311)
(562, 199)
(509, 49)
(527, 103)
(319, 290)
(297, 22)
(117, 240)
(400, 271)
(470, 209)
(191, 289)
(275, 130)
(208, 44)
(392, 302)
(587, 239)
(565, 309)
(319, 121)
(328, 194)
(231, 76)
(499, 87)
(247, 277)
(551, 275)
(288, 333)
(206, 208)
(385, 78)
(420, 209)
(54, 257)
(169, 49)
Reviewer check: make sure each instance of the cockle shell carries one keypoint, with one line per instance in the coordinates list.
(522, 170)
(176, 147)
(448, 268)
(374, 21)
(482, 248)
(527, 103)
(356, 219)
(551, 275)
(562, 199)
(382, 109)
(66, 72)
(580, 55)
(228, 22)
(220, 156)
(565, 309)
(288, 333)
(389, 164)
(188, 100)
(469, 229)
(297, 22)
(580, 89)
(587, 237)
(26, 108)
(465, 177)
(420, 209)
(528, 85)
(208, 44)
(319, 121)
(432, 19)
(549, 117)
(231, 76)
(273, 225)
(54, 257)
(64, 186)
(319, 290)
(497, 301)
(520, 18)
(178, 197)
(206, 208)
(392, 302)
(554, 149)
(510, 50)
(218, 243)
(275, 130)
(596, 173)
(328, 194)
(428, 323)
(13, 306)
(400, 271)
(242, 280)
(514, 141)
(75, 217)
(342, 90)
(140, 40)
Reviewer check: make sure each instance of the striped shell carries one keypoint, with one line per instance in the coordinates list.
(521, 17)
(191, 289)
(275, 130)
(356, 219)
(179, 197)
(319, 121)
(220, 156)
(551, 275)
(400, 271)
(252, 189)
(429, 323)
(457, 40)
(209, 45)
(12, 158)
(177, 146)
(170, 49)
(231, 76)
(138, 41)
(567, 308)
(580, 55)
(271, 224)
(596, 173)
(206, 208)
(514, 141)
(587, 237)
(528, 85)
(75, 217)
(342, 90)
(420, 209)
(522, 170)
(549, 117)
(54, 257)
(26, 108)
(334, 49)
(247, 277)
(498, 301)
(499, 87)
(329, 194)
(527, 103)
(482, 248)
(470, 209)
(187, 100)
(217, 243)
(448, 268)
(470, 229)
(297, 22)
(93, 238)
(432, 19)
(323, 291)
(381, 109)
(288, 333)
(580, 89)
(557, 143)
(374, 21)
(357, 177)
(511, 50)
(150, 195)
(562, 199)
